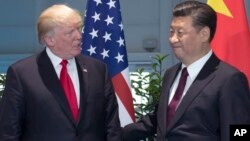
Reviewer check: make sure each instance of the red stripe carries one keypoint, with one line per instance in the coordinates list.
(123, 92)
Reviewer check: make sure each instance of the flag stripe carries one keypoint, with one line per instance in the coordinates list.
(124, 116)
(122, 90)
(103, 39)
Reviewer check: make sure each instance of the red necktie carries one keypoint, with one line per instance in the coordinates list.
(69, 89)
(177, 96)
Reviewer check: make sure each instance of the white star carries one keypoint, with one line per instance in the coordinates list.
(121, 42)
(83, 29)
(105, 54)
(107, 36)
(121, 26)
(85, 13)
(96, 16)
(98, 2)
(111, 4)
(91, 50)
(119, 57)
(109, 20)
(94, 33)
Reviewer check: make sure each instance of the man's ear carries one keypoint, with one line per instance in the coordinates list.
(49, 40)
(205, 34)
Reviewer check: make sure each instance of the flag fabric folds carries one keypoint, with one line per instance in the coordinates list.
(103, 38)
(232, 39)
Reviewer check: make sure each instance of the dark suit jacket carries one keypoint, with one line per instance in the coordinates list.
(218, 97)
(34, 108)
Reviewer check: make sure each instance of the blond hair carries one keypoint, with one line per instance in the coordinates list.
(54, 16)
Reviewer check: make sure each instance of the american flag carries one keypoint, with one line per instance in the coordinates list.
(103, 38)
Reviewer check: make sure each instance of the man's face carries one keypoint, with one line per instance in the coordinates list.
(67, 40)
(185, 40)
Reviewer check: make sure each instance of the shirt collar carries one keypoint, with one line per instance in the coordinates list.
(57, 60)
(194, 68)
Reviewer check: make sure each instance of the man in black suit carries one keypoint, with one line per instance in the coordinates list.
(35, 105)
(213, 94)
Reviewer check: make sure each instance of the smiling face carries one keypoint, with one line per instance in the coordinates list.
(188, 43)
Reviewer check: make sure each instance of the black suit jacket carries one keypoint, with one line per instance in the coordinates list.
(218, 97)
(34, 108)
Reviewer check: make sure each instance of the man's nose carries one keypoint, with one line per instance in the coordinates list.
(174, 38)
(78, 34)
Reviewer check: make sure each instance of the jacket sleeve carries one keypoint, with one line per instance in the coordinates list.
(112, 122)
(234, 103)
(146, 127)
(11, 108)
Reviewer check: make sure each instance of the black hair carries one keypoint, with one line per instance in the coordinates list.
(202, 15)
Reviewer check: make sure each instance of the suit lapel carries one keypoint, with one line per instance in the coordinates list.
(162, 112)
(51, 81)
(204, 77)
(83, 78)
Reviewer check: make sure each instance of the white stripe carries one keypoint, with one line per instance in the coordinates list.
(125, 74)
(123, 113)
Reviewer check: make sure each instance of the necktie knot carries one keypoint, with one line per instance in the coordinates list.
(64, 63)
(184, 73)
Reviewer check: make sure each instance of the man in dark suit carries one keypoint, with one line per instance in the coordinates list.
(201, 96)
(35, 105)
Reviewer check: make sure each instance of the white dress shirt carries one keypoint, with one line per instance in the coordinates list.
(71, 68)
(193, 70)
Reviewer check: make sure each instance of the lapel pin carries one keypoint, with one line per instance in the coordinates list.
(85, 70)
